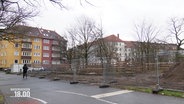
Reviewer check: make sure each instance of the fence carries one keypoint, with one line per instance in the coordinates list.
(165, 71)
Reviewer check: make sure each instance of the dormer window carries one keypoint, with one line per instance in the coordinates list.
(46, 34)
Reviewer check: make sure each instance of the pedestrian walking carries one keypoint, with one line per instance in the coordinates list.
(25, 68)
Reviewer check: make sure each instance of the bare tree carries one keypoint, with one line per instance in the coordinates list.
(177, 29)
(147, 34)
(14, 12)
(82, 36)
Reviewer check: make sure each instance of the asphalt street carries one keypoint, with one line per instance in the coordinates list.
(44, 91)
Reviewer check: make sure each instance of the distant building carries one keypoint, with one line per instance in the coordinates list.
(121, 51)
(38, 48)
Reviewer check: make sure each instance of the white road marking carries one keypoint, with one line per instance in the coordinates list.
(107, 101)
(73, 93)
(44, 102)
(98, 96)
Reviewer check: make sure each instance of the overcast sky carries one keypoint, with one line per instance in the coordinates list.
(118, 16)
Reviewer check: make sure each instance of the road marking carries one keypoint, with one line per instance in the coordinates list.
(98, 96)
(74, 93)
(44, 102)
(107, 101)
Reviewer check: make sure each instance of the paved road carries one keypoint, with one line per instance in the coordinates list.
(43, 91)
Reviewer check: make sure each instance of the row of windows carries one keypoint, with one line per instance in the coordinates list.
(16, 53)
(37, 47)
(116, 43)
(55, 55)
(3, 54)
(55, 42)
(45, 47)
(26, 45)
(29, 40)
(3, 62)
(45, 61)
(3, 45)
(45, 54)
(46, 41)
(28, 61)
(26, 53)
(38, 40)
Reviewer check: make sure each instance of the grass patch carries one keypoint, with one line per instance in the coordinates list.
(140, 89)
(149, 90)
(1, 99)
(172, 93)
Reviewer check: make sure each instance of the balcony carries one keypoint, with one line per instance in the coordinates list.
(26, 57)
(56, 52)
(56, 58)
(26, 41)
(26, 49)
(55, 45)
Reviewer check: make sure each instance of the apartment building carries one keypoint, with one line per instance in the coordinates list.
(113, 47)
(121, 51)
(38, 48)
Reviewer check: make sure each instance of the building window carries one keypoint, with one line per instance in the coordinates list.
(45, 61)
(45, 54)
(45, 41)
(16, 45)
(36, 47)
(45, 47)
(3, 61)
(26, 61)
(36, 54)
(55, 42)
(55, 55)
(26, 53)
(16, 53)
(46, 34)
(3, 54)
(26, 45)
(36, 40)
(36, 62)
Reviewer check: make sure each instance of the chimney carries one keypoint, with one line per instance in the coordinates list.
(118, 36)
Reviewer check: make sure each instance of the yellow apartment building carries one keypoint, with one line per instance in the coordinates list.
(28, 51)
(37, 48)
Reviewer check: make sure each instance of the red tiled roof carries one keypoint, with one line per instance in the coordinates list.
(112, 38)
(130, 44)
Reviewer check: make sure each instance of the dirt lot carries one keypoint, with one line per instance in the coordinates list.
(172, 78)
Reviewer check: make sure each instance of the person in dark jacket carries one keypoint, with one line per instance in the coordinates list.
(25, 68)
